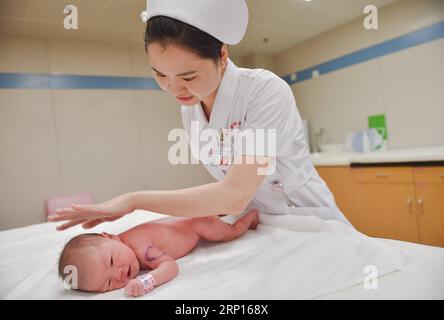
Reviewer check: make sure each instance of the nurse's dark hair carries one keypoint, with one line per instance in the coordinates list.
(165, 30)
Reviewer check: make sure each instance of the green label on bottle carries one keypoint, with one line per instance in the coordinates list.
(378, 122)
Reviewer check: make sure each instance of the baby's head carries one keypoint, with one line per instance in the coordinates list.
(102, 262)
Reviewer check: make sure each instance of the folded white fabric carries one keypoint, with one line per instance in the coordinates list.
(287, 257)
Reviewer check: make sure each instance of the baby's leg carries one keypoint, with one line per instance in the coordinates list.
(215, 229)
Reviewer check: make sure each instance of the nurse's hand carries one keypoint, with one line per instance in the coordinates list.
(91, 215)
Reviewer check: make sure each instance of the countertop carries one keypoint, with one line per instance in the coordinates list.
(424, 154)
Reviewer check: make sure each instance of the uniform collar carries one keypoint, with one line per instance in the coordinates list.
(223, 103)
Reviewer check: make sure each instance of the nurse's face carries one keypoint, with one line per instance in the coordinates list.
(188, 77)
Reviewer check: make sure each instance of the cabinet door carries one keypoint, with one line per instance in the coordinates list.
(385, 199)
(340, 182)
(429, 182)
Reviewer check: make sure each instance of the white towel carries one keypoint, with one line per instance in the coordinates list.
(287, 257)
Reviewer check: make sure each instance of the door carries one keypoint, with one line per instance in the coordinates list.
(385, 198)
(429, 184)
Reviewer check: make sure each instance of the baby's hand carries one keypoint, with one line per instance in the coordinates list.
(135, 288)
(138, 287)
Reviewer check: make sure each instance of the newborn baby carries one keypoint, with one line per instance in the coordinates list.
(106, 262)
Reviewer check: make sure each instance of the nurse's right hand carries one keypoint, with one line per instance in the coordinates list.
(91, 215)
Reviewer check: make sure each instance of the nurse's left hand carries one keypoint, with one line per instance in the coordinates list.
(92, 215)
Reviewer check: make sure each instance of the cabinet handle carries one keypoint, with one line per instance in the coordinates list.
(382, 175)
(421, 206)
(409, 204)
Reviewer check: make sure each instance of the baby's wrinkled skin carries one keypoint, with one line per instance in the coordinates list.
(117, 260)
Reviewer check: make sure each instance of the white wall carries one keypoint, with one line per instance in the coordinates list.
(107, 142)
(257, 60)
(408, 86)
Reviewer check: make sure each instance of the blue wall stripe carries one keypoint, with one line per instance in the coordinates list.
(406, 41)
(48, 81)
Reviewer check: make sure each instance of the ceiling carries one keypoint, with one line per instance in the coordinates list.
(284, 23)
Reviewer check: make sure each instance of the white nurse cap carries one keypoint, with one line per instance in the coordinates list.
(226, 20)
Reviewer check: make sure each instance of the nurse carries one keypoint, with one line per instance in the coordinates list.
(186, 42)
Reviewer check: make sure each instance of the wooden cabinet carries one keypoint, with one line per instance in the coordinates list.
(340, 181)
(404, 203)
(429, 204)
(385, 202)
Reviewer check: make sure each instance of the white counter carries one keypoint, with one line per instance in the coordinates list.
(389, 156)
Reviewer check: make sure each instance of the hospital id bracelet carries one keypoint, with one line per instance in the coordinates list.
(148, 282)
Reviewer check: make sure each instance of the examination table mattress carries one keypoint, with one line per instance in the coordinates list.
(287, 257)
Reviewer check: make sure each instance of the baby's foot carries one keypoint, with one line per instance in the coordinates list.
(254, 219)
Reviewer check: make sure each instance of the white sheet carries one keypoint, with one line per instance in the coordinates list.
(287, 257)
(423, 278)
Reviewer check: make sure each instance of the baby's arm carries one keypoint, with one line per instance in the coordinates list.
(164, 268)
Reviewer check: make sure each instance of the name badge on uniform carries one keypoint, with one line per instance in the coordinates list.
(222, 153)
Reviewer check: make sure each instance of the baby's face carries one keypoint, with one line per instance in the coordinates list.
(108, 266)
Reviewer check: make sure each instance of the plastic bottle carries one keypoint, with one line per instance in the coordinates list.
(365, 143)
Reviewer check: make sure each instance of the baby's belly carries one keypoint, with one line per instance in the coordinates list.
(175, 239)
